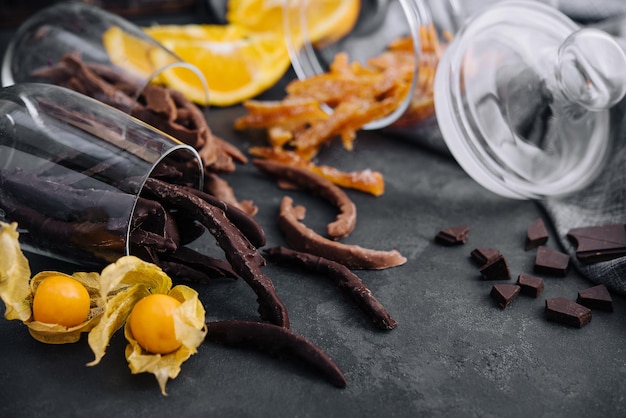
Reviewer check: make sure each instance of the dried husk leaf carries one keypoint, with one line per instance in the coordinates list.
(190, 327)
(17, 290)
(59, 334)
(14, 275)
(130, 270)
(122, 284)
(117, 311)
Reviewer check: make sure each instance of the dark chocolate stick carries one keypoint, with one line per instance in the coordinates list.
(54, 198)
(302, 238)
(242, 255)
(246, 223)
(146, 238)
(275, 339)
(93, 242)
(349, 283)
(345, 221)
(211, 267)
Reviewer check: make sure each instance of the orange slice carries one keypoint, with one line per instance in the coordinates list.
(236, 63)
(129, 52)
(326, 19)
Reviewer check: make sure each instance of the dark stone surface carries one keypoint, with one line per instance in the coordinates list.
(454, 352)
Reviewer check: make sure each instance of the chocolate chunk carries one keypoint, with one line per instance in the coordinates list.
(496, 269)
(536, 235)
(567, 312)
(531, 285)
(483, 255)
(549, 261)
(452, 236)
(596, 297)
(599, 243)
(504, 293)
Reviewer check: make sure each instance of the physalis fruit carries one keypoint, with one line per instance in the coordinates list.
(61, 300)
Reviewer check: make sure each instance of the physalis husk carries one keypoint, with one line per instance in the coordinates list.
(17, 290)
(142, 279)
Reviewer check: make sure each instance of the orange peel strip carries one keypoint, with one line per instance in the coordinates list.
(368, 181)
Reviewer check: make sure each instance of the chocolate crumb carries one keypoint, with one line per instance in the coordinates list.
(496, 269)
(552, 262)
(453, 236)
(483, 255)
(596, 297)
(599, 243)
(536, 235)
(530, 285)
(504, 293)
(567, 312)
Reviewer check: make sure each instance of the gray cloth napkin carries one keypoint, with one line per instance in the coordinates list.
(580, 10)
(603, 202)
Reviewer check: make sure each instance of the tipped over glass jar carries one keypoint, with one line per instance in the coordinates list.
(522, 94)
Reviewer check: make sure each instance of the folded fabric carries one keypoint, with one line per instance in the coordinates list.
(580, 10)
(603, 202)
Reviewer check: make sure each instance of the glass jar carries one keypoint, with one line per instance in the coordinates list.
(521, 92)
(377, 24)
(522, 97)
(72, 170)
(67, 35)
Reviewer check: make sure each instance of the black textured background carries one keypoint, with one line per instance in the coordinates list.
(454, 352)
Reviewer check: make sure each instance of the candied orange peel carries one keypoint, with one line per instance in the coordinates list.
(368, 181)
(340, 102)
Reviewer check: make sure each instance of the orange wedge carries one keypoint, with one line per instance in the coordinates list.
(325, 19)
(237, 64)
(238, 60)
(129, 52)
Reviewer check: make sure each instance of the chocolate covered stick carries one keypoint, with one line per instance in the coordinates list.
(275, 340)
(92, 241)
(302, 238)
(52, 197)
(246, 223)
(345, 221)
(211, 267)
(242, 255)
(349, 283)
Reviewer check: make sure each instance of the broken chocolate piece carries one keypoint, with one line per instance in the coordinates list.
(504, 293)
(596, 297)
(453, 236)
(549, 261)
(530, 285)
(496, 269)
(536, 235)
(599, 243)
(567, 312)
(484, 255)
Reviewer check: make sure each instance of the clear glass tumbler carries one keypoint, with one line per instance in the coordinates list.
(66, 36)
(72, 170)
